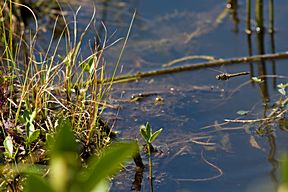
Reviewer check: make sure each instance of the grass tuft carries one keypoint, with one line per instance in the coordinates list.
(37, 87)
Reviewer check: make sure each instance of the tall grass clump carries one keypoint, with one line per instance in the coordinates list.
(37, 87)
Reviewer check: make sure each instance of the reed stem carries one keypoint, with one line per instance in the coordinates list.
(271, 16)
(259, 16)
(248, 16)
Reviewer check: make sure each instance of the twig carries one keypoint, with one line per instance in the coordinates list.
(201, 142)
(190, 57)
(256, 120)
(246, 120)
(195, 66)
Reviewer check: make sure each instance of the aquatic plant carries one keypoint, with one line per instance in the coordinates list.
(149, 137)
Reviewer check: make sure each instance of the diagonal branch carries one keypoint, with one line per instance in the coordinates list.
(195, 66)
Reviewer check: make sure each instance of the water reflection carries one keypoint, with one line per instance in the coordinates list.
(271, 156)
(273, 48)
(262, 72)
(272, 159)
(232, 5)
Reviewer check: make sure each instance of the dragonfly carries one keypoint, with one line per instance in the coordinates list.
(226, 76)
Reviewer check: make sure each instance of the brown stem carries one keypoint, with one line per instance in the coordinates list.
(195, 66)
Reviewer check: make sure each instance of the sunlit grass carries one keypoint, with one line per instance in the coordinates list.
(37, 87)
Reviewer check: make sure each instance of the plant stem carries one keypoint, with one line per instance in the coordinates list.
(150, 167)
(248, 16)
(271, 16)
(259, 15)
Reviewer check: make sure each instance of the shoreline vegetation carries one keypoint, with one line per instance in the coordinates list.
(51, 105)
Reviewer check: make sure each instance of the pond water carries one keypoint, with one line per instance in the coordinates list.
(197, 150)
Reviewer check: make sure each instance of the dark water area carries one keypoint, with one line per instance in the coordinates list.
(198, 150)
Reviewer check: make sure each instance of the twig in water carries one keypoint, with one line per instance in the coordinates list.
(257, 120)
(195, 66)
(190, 57)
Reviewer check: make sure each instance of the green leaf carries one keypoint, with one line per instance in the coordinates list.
(25, 117)
(35, 135)
(8, 145)
(143, 127)
(88, 66)
(63, 171)
(32, 169)
(242, 112)
(102, 186)
(91, 66)
(257, 80)
(148, 130)
(144, 134)
(282, 91)
(282, 86)
(154, 135)
(35, 183)
(64, 158)
(31, 129)
(49, 140)
(107, 165)
(64, 139)
(32, 116)
(85, 67)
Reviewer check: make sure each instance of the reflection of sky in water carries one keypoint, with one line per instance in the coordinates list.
(159, 35)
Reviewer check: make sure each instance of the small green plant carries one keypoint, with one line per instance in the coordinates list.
(9, 148)
(67, 174)
(147, 133)
(149, 137)
(242, 112)
(32, 134)
(281, 88)
(257, 80)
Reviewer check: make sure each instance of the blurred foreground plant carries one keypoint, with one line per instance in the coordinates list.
(66, 172)
(284, 170)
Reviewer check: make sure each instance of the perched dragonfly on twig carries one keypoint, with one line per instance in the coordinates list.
(226, 76)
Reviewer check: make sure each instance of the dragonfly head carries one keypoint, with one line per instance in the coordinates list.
(222, 76)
